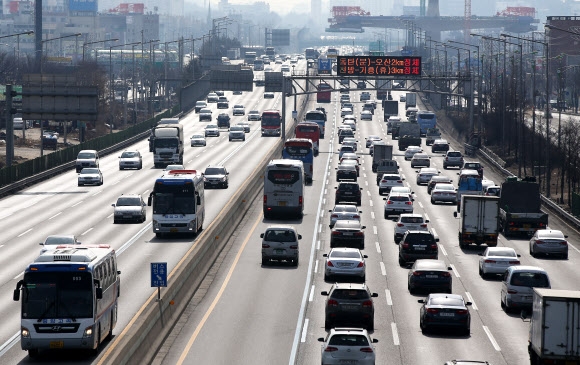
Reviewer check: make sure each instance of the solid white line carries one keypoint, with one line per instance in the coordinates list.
(442, 249)
(87, 231)
(378, 247)
(56, 215)
(304, 330)
(25, 232)
(388, 297)
(455, 271)
(470, 299)
(373, 215)
(383, 269)
(311, 297)
(395, 334)
(375, 230)
(74, 205)
(17, 276)
(316, 267)
(490, 336)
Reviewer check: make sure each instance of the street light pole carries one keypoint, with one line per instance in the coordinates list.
(89, 43)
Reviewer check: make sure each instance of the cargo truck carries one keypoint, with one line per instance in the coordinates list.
(381, 152)
(478, 220)
(167, 144)
(520, 207)
(383, 88)
(409, 135)
(555, 327)
(410, 100)
(390, 109)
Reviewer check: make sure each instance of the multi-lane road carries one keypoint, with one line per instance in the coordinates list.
(249, 314)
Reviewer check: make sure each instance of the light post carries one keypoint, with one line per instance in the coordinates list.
(45, 41)
(479, 80)
(95, 42)
(111, 82)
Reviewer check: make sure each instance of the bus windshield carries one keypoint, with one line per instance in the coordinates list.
(61, 294)
(270, 120)
(314, 116)
(168, 203)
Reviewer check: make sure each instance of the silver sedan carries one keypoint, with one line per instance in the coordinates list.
(345, 261)
(443, 192)
(344, 211)
(549, 242)
(496, 260)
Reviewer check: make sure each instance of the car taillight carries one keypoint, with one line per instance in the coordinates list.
(294, 247)
(434, 246)
(332, 303)
(389, 202)
(329, 263)
(405, 245)
(446, 158)
(400, 181)
(360, 264)
(461, 311)
(367, 304)
(514, 262)
(265, 198)
(400, 225)
(366, 349)
(423, 225)
(408, 203)
(446, 274)
(512, 291)
(539, 242)
(564, 243)
(300, 200)
(432, 311)
(265, 245)
(356, 216)
(334, 216)
(359, 234)
(417, 273)
(383, 181)
(330, 349)
(488, 261)
(336, 233)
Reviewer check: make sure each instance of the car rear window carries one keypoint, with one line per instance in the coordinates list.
(348, 340)
(349, 294)
(530, 279)
(280, 235)
(411, 219)
(419, 239)
(345, 254)
(348, 187)
(454, 154)
(399, 198)
(214, 171)
(446, 301)
(502, 253)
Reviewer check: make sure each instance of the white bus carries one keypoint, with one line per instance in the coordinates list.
(284, 188)
(69, 299)
(178, 201)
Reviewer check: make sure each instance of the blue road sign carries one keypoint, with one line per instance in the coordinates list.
(324, 66)
(406, 52)
(158, 274)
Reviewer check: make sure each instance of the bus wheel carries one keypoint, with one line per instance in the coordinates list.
(110, 334)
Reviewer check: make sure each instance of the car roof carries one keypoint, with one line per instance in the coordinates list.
(409, 215)
(280, 226)
(428, 170)
(527, 268)
(550, 233)
(355, 286)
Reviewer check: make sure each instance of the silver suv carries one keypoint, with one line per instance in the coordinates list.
(215, 176)
(453, 159)
(87, 158)
(280, 243)
(129, 208)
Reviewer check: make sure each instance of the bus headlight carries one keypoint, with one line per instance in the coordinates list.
(155, 224)
(191, 224)
(24, 332)
(88, 332)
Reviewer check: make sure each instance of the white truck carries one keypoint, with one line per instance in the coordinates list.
(381, 152)
(555, 327)
(167, 144)
(410, 100)
(478, 220)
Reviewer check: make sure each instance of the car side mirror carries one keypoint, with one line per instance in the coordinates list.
(261, 235)
(320, 339)
(421, 301)
(299, 236)
(325, 255)
(519, 255)
(374, 295)
(336, 187)
(360, 211)
(360, 188)
(468, 303)
(375, 340)
(41, 243)
(449, 268)
(363, 227)
(455, 214)
(437, 239)
(324, 293)
(112, 205)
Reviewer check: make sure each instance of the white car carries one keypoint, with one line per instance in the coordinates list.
(496, 260)
(212, 130)
(349, 346)
(409, 222)
(212, 98)
(444, 192)
(130, 159)
(237, 132)
(345, 261)
(388, 181)
(52, 241)
(350, 123)
(421, 160)
(239, 110)
(396, 203)
(345, 111)
(90, 176)
(410, 152)
(254, 115)
(371, 140)
(425, 174)
(197, 140)
(344, 211)
(366, 115)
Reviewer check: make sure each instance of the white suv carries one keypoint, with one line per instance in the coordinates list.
(397, 203)
(349, 345)
(87, 158)
(280, 243)
(409, 222)
(389, 181)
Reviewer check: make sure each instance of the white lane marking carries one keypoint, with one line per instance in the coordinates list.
(116, 182)
(321, 213)
(470, 299)
(378, 247)
(145, 192)
(368, 193)
(325, 192)
(311, 297)
(388, 297)
(110, 215)
(97, 193)
(324, 201)
(373, 215)
(56, 215)
(366, 183)
(364, 174)
(316, 267)
(11, 342)
(442, 250)
(319, 228)
(434, 233)
(371, 202)
(420, 205)
(19, 275)
(383, 269)
(318, 245)
(304, 330)
(427, 217)
(491, 339)
(25, 232)
(455, 271)
(74, 205)
(87, 231)
(395, 334)
(375, 230)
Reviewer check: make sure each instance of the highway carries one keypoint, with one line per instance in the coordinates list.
(249, 314)
(58, 206)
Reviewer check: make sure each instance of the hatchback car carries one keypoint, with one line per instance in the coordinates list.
(280, 243)
(396, 203)
(421, 160)
(344, 345)
(345, 262)
(216, 176)
(409, 222)
(346, 172)
(349, 303)
(436, 180)
(366, 115)
(129, 208)
(388, 181)
(254, 115)
(429, 275)
(237, 132)
(90, 176)
(495, 260)
(344, 212)
(348, 192)
(350, 162)
(549, 242)
(205, 114)
(345, 149)
(130, 160)
(371, 139)
(417, 245)
(212, 130)
(347, 233)
(444, 193)
(238, 109)
(517, 286)
(52, 241)
(425, 174)
(410, 152)
(445, 311)
(197, 140)
(453, 159)
(439, 145)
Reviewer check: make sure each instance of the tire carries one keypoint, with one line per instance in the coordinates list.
(115, 221)
(140, 166)
(295, 262)
(444, 167)
(327, 325)
(401, 261)
(326, 277)
(386, 216)
(467, 331)
(432, 201)
(363, 279)
(121, 168)
(371, 325)
(80, 184)
(265, 261)
(565, 256)
(33, 353)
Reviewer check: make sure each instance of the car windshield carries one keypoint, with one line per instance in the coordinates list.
(238, 106)
(530, 279)
(345, 208)
(254, 112)
(349, 294)
(128, 202)
(345, 254)
(129, 154)
(348, 340)
(280, 235)
(236, 129)
(89, 171)
(502, 253)
(196, 136)
(214, 171)
(59, 240)
(456, 302)
(86, 155)
(205, 111)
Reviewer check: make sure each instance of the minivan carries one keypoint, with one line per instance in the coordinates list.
(517, 286)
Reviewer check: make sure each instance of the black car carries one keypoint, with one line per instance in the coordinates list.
(348, 192)
(223, 120)
(346, 172)
(347, 233)
(417, 245)
(349, 304)
(429, 275)
(216, 176)
(343, 133)
(440, 145)
(445, 311)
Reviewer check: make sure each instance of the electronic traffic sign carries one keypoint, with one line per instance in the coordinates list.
(378, 66)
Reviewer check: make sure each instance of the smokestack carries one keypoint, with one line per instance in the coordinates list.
(433, 8)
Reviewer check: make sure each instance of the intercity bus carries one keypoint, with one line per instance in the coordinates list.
(284, 189)
(300, 149)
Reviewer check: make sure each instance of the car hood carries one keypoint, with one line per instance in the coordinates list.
(221, 176)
